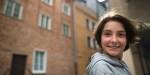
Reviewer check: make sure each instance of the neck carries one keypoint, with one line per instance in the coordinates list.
(119, 57)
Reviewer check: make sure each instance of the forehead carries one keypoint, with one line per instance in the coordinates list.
(114, 25)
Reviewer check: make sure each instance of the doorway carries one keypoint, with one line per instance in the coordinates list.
(18, 64)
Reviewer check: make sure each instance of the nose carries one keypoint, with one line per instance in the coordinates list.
(114, 38)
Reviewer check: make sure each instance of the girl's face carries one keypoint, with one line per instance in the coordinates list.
(113, 39)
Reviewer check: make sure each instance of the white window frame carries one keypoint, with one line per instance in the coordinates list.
(49, 3)
(44, 62)
(97, 46)
(91, 42)
(49, 25)
(68, 12)
(90, 25)
(13, 9)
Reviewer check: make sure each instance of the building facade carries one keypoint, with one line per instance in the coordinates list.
(36, 37)
(84, 23)
(86, 14)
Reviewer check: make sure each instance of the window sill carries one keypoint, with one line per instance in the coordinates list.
(39, 72)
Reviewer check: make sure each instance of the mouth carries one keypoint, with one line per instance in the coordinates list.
(113, 47)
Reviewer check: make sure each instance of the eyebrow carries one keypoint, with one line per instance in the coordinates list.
(107, 30)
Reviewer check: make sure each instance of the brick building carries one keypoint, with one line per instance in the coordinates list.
(36, 37)
(86, 13)
(85, 21)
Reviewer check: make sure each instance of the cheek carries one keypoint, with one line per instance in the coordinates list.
(123, 42)
(104, 40)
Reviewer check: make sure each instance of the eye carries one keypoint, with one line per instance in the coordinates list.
(107, 34)
(122, 34)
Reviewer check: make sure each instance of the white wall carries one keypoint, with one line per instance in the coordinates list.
(128, 58)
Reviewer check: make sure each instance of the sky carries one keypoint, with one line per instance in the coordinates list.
(101, 0)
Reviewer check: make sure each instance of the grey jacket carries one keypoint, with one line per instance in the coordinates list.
(102, 64)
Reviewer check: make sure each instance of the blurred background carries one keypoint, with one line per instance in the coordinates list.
(55, 37)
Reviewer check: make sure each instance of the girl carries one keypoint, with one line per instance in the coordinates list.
(114, 34)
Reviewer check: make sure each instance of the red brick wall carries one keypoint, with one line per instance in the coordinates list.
(23, 36)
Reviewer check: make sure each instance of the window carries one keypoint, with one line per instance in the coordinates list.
(92, 43)
(87, 23)
(97, 46)
(88, 41)
(49, 2)
(67, 30)
(13, 9)
(84, 1)
(39, 61)
(44, 21)
(93, 25)
(67, 9)
(90, 24)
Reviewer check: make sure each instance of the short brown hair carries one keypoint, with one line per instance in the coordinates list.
(127, 25)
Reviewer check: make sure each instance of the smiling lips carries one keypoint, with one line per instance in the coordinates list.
(114, 46)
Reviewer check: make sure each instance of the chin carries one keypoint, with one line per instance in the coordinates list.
(114, 54)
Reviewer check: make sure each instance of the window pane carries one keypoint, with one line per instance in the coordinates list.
(94, 43)
(87, 23)
(47, 20)
(88, 40)
(9, 8)
(39, 60)
(17, 10)
(66, 30)
(66, 9)
(93, 25)
(36, 61)
(42, 20)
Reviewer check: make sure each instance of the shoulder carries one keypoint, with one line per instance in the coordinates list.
(100, 68)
